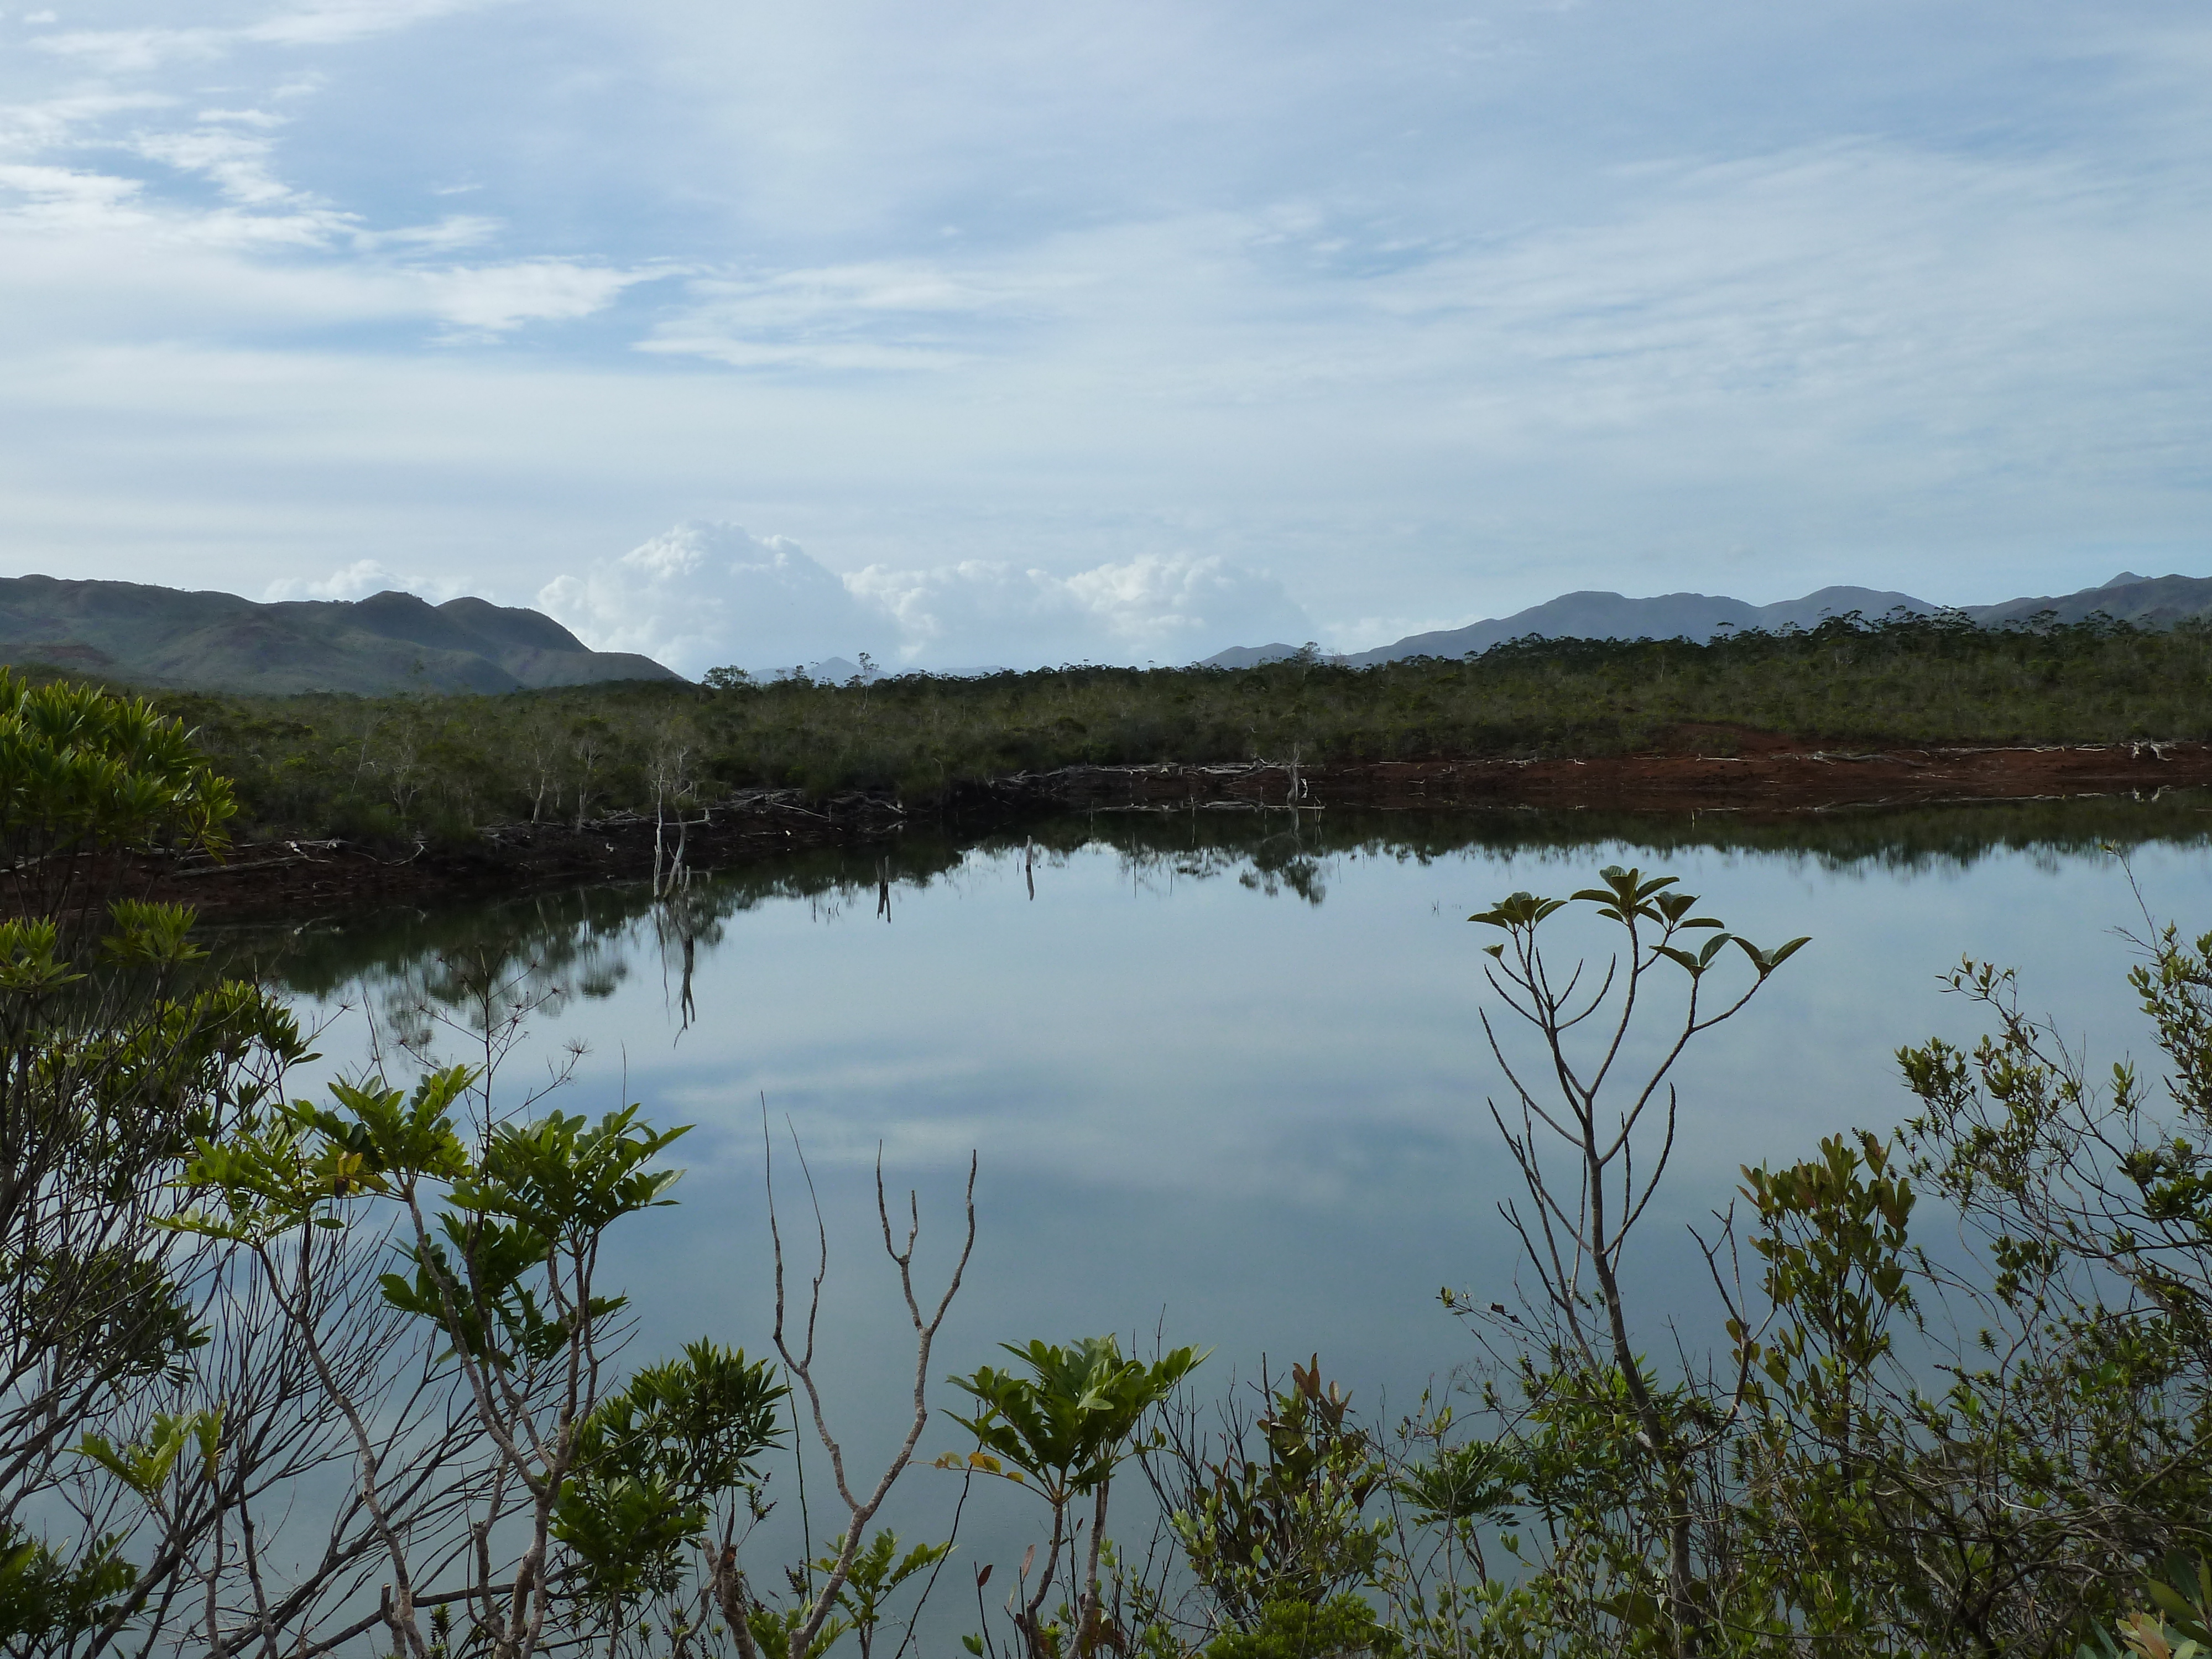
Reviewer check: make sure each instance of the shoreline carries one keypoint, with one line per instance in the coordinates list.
(1766, 777)
(1764, 774)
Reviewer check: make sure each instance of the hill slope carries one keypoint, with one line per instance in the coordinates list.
(2149, 602)
(1593, 615)
(390, 642)
(2146, 601)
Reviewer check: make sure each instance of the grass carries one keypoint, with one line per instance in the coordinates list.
(391, 768)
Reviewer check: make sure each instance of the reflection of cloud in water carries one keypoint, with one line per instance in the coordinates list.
(1194, 1083)
(412, 967)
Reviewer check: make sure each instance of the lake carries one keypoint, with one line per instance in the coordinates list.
(1224, 1074)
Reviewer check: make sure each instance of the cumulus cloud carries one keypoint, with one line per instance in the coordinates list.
(704, 594)
(361, 579)
(1152, 608)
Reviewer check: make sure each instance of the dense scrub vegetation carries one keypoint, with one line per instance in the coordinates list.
(371, 767)
(286, 1377)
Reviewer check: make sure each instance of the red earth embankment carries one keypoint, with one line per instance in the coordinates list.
(1764, 773)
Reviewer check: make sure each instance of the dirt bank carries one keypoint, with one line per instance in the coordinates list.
(1760, 775)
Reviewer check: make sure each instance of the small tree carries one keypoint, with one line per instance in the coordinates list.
(1289, 1523)
(653, 1464)
(146, 1406)
(1066, 1426)
(504, 1238)
(1620, 1460)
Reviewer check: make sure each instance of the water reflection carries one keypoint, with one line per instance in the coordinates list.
(585, 943)
(1225, 1072)
(1221, 1068)
(1209, 1040)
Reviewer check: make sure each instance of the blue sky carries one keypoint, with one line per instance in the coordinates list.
(985, 332)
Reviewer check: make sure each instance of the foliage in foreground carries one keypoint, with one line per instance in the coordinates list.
(295, 1376)
(391, 767)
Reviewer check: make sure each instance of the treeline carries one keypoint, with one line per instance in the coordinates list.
(372, 768)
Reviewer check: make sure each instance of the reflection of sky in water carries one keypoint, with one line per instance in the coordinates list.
(1249, 1120)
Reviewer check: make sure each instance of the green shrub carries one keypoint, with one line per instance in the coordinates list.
(1342, 1627)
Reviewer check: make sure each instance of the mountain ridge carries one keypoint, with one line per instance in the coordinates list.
(201, 640)
(2151, 602)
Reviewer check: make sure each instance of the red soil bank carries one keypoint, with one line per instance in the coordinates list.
(1764, 773)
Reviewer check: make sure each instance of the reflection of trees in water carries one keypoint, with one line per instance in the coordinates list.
(473, 967)
(584, 943)
(1280, 852)
(428, 977)
(685, 916)
(1280, 858)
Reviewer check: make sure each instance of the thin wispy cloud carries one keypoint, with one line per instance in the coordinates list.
(140, 49)
(909, 315)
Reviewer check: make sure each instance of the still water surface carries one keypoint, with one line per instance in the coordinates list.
(1225, 1080)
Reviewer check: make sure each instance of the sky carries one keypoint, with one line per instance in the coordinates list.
(981, 333)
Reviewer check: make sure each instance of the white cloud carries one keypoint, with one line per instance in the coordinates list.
(245, 117)
(902, 314)
(704, 594)
(136, 52)
(455, 230)
(68, 234)
(235, 164)
(29, 125)
(362, 578)
(64, 196)
(1152, 608)
(1865, 292)
(333, 22)
(320, 23)
(494, 298)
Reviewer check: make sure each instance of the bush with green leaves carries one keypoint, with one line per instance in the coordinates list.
(1288, 1524)
(118, 1048)
(1891, 1452)
(1064, 1429)
(651, 1460)
(1340, 1627)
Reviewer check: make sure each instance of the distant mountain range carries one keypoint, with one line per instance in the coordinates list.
(2151, 602)
(163, 636)
(166, 636)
